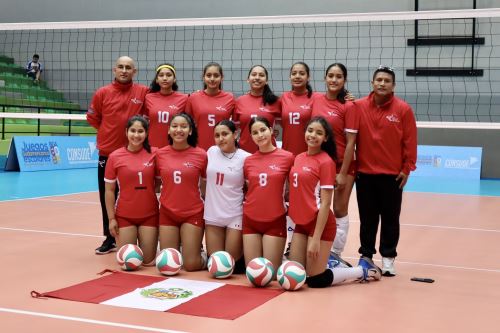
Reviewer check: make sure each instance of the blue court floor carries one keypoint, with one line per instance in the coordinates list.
(24, 185)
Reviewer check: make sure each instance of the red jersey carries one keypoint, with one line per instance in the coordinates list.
(110, 109)
(387, 139)
(341, 117)
(309, 174)
(207, 111)
(135, 174)
(160, 109)
(266, 174)
(180, 172)
(248, 107)
(295, 114)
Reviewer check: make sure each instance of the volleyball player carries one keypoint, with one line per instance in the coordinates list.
(162, 103)
(210, 105)
(109, 111)
(260, 101)
(386, 154)
(224, 192)
(181, 167)
(134, 217)
(312, 179)
(343, 117)
(266, 172)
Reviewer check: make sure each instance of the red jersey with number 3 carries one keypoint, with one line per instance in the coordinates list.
(248, 107)
(266, 174)
(160, 109)
(295, 114)
(207, 111)
(180, 172)
(341, 117)
(135, 174)
(309, 174)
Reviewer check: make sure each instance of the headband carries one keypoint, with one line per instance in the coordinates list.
(165, 66)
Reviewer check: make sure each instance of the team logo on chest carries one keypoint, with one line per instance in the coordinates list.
(264, 109)
(305, 107)
(173, 107)
(306, 169)
(220, 108)
(274, 167)
(393, 118)
(188, 165)
(148, 164)
(136, 101)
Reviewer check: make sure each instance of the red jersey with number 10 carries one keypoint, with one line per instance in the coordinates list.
(266, 174)
(160, 109)
(309, 174)
(180, 172)
(207, 111)
(135, 174)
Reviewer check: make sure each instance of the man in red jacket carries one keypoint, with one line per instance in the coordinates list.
(386, 151)
(109, 111)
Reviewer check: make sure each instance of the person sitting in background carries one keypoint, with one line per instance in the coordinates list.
(34, 68)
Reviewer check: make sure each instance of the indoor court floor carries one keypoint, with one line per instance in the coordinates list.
(450, 232)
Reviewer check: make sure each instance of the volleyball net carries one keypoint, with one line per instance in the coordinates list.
(447, 63)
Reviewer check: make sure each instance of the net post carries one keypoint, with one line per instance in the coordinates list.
(416, 39)
(473, 38)
(69, 124)
(38, 122)
(3, 123)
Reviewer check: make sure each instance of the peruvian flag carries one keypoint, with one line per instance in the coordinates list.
(197, 298)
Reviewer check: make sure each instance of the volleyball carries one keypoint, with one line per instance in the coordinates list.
(260, 272)
(291, 275)
(169, 261)
(129, 257)
(220, 265)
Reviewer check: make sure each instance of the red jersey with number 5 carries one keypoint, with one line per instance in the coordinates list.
(135, 174)
(266, 174)
(180, 172)
(207, 111)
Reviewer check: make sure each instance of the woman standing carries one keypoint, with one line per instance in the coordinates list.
(343, 117)
(260, 101)
(210, 105)
(266, 172)
(224, 192)
(134, 218)
(162, 103)
(181, 167)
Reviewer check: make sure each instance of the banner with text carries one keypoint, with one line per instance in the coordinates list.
(34, 153)
(449, 162)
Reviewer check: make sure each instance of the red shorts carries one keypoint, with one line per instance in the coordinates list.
(169, 219)
(273, 228)
(328, 233)
(150, 221)
(352, 168)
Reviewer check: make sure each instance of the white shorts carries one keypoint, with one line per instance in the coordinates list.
(233, 223)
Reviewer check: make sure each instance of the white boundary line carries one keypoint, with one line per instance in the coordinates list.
(47, 196)
(69, 201)
(438, 227)
(89, 321)
(51, 232)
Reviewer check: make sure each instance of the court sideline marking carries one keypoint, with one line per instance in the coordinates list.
(89, 321)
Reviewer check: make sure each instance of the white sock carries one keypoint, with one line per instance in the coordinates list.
(341, 236)
(346, 274)
(290, 227)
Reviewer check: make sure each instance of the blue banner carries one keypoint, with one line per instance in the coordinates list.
(449, 162)
(34, 153)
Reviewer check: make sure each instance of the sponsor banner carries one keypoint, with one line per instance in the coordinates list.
(35, 153)
(449, 162)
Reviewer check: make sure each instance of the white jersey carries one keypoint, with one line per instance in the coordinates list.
(224, 193)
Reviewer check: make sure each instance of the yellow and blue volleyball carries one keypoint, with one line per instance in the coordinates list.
(169, 261)
(220, 265)
(291, 275)
(260, 272)
(129, 257)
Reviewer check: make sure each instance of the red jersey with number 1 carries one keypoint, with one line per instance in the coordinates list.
(248, 107)
(309, 174)
(295, 114)
(160, 109)
(135, 174)
(207, 111)
(266, 174)
(180, 172)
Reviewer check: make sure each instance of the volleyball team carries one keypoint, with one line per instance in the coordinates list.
(220, 175)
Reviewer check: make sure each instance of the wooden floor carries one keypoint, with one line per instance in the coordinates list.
(48, 243)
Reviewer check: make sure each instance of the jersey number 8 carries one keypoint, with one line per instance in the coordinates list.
(262, 179)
